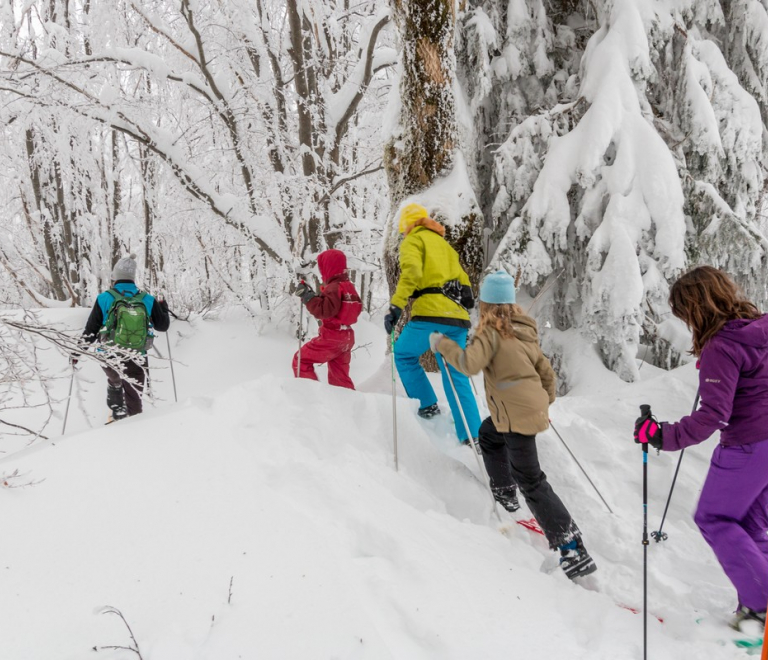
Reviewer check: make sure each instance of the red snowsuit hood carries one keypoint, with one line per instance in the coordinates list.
(331, 264)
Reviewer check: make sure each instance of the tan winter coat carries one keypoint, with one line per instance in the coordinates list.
(519, 381)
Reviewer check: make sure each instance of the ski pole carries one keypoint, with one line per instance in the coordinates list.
(482, 404)
(170, 360)
(580, 466)
(660, 535)
(394, 397)
(150, 391)
(301, 332)
(472, 440)
(645, 412)
(69, 399)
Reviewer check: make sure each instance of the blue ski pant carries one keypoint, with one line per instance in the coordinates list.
(410, 345)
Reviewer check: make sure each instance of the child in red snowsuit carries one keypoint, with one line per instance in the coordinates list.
(337, 307)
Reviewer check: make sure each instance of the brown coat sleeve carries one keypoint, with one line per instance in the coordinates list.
(327, 304)
(547, 375)
(474, 358)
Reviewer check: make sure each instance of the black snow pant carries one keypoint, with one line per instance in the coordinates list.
(131, 389)
(511, 458)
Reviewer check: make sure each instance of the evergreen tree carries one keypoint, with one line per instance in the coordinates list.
(631, 147)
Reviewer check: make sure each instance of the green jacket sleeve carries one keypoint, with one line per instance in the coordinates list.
(474, 358)
(411, 259)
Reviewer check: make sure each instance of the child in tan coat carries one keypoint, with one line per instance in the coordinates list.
(519, 387)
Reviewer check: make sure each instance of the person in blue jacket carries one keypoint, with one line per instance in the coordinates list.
(124, 390)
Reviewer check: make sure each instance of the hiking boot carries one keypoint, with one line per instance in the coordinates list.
(116, 403)
(746, 614)
(507, 497)
(429, 411)
(575, 560)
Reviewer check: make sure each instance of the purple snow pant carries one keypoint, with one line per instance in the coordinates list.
(733, 517)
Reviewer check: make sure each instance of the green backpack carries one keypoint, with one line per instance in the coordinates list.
(127, 324)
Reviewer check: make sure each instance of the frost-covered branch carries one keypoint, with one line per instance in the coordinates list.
(346, 101)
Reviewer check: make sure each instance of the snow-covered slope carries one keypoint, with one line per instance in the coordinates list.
(262, 517)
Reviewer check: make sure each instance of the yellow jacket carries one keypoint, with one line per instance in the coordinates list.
(519, 381)
(426, 261)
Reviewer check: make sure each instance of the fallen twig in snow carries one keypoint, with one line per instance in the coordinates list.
(135, 645)
(11, 480)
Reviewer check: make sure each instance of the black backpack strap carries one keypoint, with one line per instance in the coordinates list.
(429, 289)
(450, 292)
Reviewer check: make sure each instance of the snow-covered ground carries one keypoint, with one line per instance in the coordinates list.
(261, 517)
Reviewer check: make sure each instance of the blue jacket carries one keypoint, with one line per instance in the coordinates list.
(159, 318)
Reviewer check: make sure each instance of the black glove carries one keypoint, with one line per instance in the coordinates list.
(163, 305)
(467, 297)
(74, 358)
(648, 430)
(305, 292)
(391, 319)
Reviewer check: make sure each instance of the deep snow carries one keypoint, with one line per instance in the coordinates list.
(286, 490)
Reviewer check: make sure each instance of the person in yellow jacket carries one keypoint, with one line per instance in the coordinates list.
(519, 388)
(430, 273)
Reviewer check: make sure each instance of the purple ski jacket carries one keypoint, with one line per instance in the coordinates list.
(733, 383)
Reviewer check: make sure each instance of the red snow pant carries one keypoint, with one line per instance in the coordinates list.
(333, 347)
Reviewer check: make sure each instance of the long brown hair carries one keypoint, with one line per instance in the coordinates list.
(498, 317)
(705, 299)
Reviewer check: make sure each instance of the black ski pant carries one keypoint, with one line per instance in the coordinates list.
(511, 458)
(132, 385)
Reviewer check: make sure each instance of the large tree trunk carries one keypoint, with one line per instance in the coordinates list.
(425, 146)
(44, 217)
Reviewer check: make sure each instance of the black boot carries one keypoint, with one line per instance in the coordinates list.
(507, 497)
(575, 560)
(429, 411)
(116, 402)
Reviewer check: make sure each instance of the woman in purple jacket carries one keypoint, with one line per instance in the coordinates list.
(730, 338)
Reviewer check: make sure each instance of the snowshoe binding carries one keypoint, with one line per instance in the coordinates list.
(575, 560)
(744, 614)
(428, 412)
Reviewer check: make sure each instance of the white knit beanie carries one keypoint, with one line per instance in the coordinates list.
(125, 269)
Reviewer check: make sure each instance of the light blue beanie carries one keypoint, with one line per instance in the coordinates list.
(498, 289)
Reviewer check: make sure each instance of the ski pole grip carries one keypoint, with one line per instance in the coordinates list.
(645, 410)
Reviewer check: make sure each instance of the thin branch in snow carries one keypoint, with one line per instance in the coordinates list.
(134, 644)
(12, 480)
